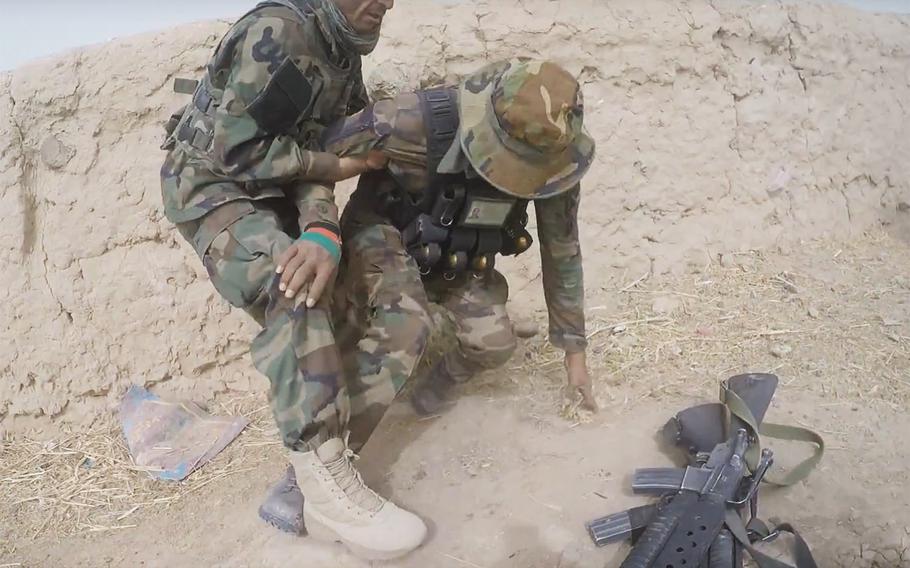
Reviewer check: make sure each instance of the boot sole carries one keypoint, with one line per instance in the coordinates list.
(319, 531)
(282, 525)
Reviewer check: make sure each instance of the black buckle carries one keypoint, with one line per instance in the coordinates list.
(449, 204)
(756, 536)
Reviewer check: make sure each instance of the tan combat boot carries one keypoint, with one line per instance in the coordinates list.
(338, 506)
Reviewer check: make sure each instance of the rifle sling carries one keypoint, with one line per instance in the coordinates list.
(802, 556)
(801, 471)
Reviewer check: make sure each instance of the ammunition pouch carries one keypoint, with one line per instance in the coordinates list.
(458, 224)
(194, 123)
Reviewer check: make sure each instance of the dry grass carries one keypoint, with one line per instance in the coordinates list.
(836, 326)
(832, 320)
(85, 482)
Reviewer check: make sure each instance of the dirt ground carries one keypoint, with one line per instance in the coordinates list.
(508, 476)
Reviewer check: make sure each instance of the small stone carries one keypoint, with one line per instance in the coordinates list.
(813, 312)
(619, 329)
(781, 350)
(55, 154)
(526, 329)
(697, 260)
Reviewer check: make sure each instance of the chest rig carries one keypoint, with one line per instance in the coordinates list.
(301, 98)
(459, 223)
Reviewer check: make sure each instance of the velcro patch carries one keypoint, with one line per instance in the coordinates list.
(286, 99)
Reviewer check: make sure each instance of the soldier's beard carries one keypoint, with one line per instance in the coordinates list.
(349, 39)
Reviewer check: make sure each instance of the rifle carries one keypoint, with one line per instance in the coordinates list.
(698, 521)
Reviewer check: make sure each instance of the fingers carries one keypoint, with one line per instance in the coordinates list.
(303, 266)
(376, 160)
(291, 266)
(301, 277)
(580, 384)
(324, 271)
(588, 401)
(286, 257)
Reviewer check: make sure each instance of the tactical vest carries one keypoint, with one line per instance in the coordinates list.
(458, 224)
(299, 101)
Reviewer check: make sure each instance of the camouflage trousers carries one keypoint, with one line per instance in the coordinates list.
(383, 320)
(379, 313)
(296, 347)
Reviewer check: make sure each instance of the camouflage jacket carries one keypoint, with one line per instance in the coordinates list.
(274, 83)
(396, 127)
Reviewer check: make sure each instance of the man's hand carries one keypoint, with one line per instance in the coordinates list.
(376, 160)
(306, 265)
(580, 380)
(353, 166)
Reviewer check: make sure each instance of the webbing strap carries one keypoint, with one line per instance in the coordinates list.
(440, 115)
(801, 471)
(302, 8)
(802, 556)
(440, 120)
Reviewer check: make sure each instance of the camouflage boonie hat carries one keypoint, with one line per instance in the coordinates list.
(522, 127)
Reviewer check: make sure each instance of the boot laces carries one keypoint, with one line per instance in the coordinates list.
(351, 483)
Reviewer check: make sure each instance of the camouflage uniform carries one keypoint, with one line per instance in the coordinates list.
(382, 301)
(233, 184)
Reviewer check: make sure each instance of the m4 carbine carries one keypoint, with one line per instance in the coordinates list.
(698, 523)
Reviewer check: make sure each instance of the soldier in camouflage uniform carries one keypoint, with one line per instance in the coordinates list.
(518, 137)
(235, 183)
(521, 132)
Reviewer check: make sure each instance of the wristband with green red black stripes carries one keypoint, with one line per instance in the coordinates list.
(333, 246)
(328, 226)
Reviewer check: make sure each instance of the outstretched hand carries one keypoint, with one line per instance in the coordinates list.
(579, 380)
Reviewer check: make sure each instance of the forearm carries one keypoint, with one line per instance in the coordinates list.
(564, 293)
(315, 203)
(562, 270)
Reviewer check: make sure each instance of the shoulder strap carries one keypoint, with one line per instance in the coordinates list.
(300, 7)
(303, 8)
(801, 471)
(800, 552)
(440, 123)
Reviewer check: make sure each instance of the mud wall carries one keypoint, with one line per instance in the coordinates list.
(722, 126)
